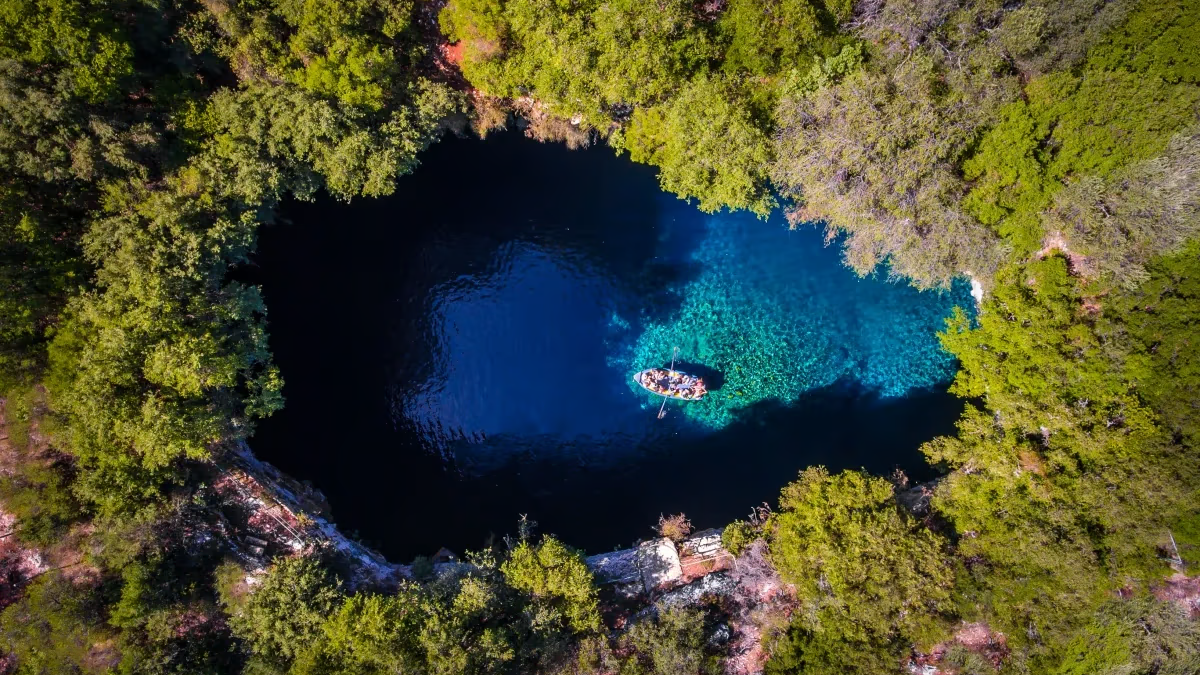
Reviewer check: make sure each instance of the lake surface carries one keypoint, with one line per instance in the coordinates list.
(461, 353)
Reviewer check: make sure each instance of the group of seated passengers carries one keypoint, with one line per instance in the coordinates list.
(676, 384)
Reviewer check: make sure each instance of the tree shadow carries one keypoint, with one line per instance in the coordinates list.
(713, 477)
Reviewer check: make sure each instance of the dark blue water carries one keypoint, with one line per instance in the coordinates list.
(460, 353)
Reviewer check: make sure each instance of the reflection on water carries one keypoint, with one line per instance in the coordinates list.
(517, 353)
(462, 352)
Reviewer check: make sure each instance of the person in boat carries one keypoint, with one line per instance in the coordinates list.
(662, 382)
(674, 384)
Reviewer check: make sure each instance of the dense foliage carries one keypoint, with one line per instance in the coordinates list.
(1049, 150)
(526, 613)
(870, 578)
(1066, 489)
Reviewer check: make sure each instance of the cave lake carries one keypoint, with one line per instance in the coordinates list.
(461, 352)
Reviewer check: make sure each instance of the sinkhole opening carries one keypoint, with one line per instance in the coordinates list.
(462, 351)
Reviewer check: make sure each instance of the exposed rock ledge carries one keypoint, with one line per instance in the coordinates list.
(284, 513)
(659, 565)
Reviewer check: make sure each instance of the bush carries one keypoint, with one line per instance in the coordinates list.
(676, 527)
(54, 627)
(490, 114)
(286, 613)
(738, 535)
(671, 644)
(557, 579)
(39, 491)
(422, 568)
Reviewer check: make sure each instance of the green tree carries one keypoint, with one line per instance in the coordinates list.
(588, 59)
(556, 579)
(287, 613)
(767, 36)
(1143, 211)
(1086, 129)
(274, 139)
(706, 146)
(1134, 636)
(1157, 37)
(1065, 488)
(672, 642)
(870, 580)
(352, 52)
(37, 271)
(1162, 315)
(1010, 185)
(80, 36)
(370, 634)
(848, 548)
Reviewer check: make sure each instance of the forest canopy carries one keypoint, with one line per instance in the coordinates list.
(1049, 150)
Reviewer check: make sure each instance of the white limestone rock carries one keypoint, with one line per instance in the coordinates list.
(659, 562)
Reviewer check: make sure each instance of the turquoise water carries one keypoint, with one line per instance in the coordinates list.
(773, 314)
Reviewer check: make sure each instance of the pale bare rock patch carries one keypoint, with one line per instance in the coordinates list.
(760, 609)
(975, 637)
(1182, 590)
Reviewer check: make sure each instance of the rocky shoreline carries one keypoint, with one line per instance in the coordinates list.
(256, 514)
(285, 516)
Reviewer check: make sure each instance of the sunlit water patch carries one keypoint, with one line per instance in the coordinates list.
(773, 314)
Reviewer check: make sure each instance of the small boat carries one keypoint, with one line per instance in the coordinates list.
(670, 383)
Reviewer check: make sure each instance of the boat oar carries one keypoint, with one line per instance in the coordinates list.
(662, 409)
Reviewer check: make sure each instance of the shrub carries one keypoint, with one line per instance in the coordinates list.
(671, 644)
(738, 535)
(52, 629)
(551, 129)
(676, 527)
(422, 568)
(39, 491)
(557, 579)
(286, 613)
(230, 583)
(490, 114)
